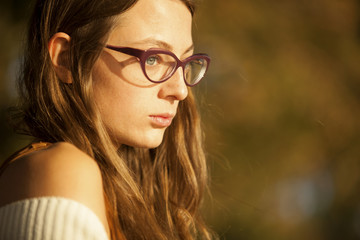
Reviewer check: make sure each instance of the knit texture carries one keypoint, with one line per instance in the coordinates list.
(49, 218)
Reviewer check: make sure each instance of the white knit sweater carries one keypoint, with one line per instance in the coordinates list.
(49, 218)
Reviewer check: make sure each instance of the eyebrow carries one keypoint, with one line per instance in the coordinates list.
(163, 44)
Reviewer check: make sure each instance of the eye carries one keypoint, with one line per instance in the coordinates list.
(152, 60)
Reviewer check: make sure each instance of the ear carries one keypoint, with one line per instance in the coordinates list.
(58, 47)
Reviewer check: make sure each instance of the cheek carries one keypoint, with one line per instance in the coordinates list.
(126, 69)
(112, 95)
(119, 92)
(125, 109)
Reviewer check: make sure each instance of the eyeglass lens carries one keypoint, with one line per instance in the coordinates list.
(195, 70)
(161, 66)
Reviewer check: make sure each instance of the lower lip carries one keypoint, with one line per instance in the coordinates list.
(161, 122)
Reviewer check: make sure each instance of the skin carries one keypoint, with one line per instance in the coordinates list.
(61, 170)
(127, 103)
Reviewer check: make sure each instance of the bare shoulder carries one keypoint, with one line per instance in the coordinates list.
(61, 170)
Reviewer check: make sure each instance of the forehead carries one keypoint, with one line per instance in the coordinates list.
(169, 21)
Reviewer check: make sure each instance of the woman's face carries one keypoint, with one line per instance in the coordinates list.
(136, 111)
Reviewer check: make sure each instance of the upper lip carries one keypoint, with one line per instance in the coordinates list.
(163, 115)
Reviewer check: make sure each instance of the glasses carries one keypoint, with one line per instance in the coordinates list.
(158, 65)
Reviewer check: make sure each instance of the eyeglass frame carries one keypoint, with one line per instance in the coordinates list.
(142, 56)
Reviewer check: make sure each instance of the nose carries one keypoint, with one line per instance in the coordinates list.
(174, 88)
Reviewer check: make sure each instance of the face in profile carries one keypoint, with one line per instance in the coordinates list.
(135, 110)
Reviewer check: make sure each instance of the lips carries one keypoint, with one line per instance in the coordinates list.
(161, 120)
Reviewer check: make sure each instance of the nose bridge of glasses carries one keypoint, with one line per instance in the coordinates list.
(180, 67)
(172, 64)
(182, 64)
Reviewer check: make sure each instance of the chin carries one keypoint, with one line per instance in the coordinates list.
(149, 145)
(148, 142)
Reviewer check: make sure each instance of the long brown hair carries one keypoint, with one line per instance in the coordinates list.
(150, 194)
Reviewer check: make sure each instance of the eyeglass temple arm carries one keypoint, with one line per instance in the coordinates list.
(129, 51)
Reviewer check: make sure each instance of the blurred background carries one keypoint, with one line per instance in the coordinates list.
(280, 107)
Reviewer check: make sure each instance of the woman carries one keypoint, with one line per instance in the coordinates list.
(117, 147)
